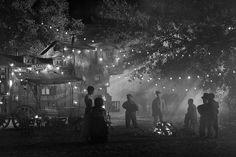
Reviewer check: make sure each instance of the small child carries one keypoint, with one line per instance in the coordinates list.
(98, 127)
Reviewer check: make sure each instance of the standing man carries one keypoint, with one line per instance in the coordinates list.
(203, 110)
(88, 108)
(131, 108)
(156, 109)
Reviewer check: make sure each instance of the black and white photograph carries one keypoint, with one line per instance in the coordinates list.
(117, 78)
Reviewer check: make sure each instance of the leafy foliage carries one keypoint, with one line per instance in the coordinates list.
(29, 25)
(172, 37)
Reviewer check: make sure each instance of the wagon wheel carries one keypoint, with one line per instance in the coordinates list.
(4, 122)
(22, 115)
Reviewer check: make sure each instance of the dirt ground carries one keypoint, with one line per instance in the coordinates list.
(62, 142)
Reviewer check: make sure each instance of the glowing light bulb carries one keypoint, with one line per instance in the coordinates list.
(234, 72)
(65, 48)
(180, 78)
(189, 77)
(186, 90)
(171, 78)
(207, 75)
(10, 83)
(164, 87)
(198, 76)
(100, 59)
(92, 41)
(11, 64)
(173, 90)
(78, 51)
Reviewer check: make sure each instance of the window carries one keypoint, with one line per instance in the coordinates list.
(45, 91)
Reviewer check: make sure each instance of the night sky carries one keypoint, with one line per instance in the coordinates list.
(83, 9)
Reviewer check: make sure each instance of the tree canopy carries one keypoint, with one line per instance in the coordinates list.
(29, 25)
(166, 38)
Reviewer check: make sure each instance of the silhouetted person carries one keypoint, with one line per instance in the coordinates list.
(204, 116)
(156, 109)
(214, 110)
(88, 108)
(190, 120)
(99, 128)
(131, 109)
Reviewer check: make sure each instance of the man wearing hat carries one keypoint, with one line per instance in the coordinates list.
(156, 108)
(203, 110)
(131, 108)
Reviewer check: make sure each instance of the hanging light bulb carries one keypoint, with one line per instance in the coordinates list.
(10, 83)
(180, 78)
(100, 59)
(189, 77)
(171, 78)
(65, 48)
(84, 38)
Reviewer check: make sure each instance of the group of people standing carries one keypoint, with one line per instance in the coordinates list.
(131, 108)
(95, 128)
(208, 112)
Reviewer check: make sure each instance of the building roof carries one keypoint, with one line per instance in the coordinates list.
(47, 78)
(6, 60)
